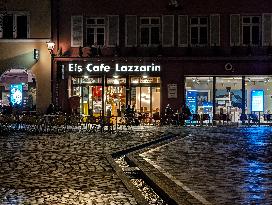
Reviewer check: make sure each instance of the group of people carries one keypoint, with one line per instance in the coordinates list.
(178, 118)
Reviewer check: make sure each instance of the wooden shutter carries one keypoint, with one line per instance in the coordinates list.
(1, 25)
(76, 31)
(215, 30)
(235, 29)
(168, 30)
(131, 30)
(267, 29)
(183, 31)
(113, 30)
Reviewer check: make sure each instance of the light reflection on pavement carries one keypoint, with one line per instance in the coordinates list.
(222, 165)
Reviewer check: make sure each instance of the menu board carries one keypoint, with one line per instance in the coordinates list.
(191, 100)
(257, 101)
(172, 91)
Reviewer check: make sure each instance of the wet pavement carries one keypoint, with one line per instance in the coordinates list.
(219, 165)
(65, 169)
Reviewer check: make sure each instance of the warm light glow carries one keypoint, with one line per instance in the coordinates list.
(85, 76)
(135, 81)
(145, 76)
(115, 76)
(115, 81)
(50, 45)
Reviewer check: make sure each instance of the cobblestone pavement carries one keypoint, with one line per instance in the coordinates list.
(220, 165)
(65, 169)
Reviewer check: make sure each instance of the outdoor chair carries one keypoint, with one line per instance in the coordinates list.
(59, 124)
(108, 123)
(7, 122)
(30, 123)
(195, 119)
(156, 118)
(244, 118)
(225, 118)
(73, 122)
(91, 123)
(205, 117)
(253, 119)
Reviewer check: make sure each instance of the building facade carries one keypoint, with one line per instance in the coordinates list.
(25, 65)
(215, 57)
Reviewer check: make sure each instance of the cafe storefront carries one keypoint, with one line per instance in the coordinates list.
(108, 87)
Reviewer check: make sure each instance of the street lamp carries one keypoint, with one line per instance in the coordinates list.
(50, 46)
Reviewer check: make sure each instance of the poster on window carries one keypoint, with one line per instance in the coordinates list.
(191, 100)
(16, 94)
(172, 91)
(257, 100)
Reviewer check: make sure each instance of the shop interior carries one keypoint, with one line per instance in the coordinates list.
(144, 94)
(228, 99)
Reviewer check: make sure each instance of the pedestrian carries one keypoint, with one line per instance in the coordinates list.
(50, 109)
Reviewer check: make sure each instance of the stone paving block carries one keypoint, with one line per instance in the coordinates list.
(69, 168)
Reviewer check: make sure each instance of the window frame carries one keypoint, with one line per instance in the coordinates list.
(14, 17)
(95, 26)
(251, 25)
(199, 26)
(149, 26)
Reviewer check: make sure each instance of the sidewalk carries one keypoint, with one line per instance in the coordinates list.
(66, 168)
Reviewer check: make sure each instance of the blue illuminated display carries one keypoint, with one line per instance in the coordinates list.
(191, 100)
(257, 100)
(16, 94)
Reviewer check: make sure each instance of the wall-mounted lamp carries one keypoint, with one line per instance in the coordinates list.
(36, 54)
(115, 76)
(145, 76)
(50, 46)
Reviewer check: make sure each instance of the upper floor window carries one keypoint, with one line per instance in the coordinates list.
(150, 30)
(251, 30)
(15, 26)
(199, 30)
(95, 31)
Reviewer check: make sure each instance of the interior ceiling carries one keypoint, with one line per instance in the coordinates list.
(229, 79)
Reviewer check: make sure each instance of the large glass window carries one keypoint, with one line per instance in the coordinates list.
(262, 83)
(116, 95)
(89, 89)
(229, 97)
(150, 30)
(199, 94)
(145, 94)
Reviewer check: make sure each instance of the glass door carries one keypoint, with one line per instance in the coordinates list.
(115, 99)
(145, 94)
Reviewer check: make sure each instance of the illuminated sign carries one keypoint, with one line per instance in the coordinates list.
(93, 68)
(16, 94)
(191, 100)
(257, 101)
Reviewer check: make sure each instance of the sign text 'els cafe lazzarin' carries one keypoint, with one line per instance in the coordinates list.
(90, 68)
